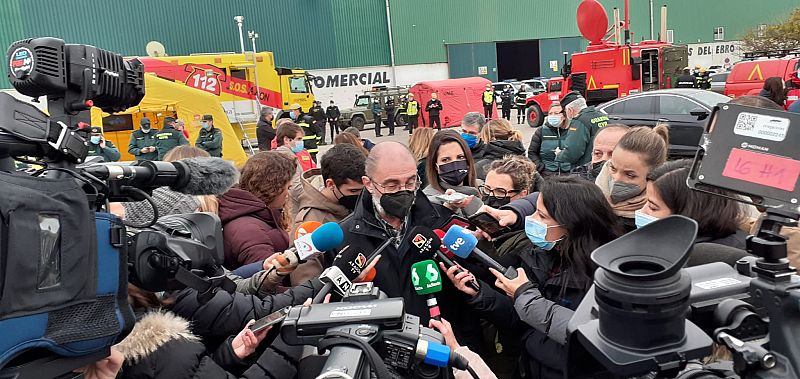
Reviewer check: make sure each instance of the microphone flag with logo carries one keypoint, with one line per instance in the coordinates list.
(425, 277)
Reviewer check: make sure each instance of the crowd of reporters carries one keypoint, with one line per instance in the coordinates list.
(582, 183)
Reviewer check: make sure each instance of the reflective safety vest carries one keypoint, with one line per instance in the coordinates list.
(488, 97)
(309, 139)
(413, 108)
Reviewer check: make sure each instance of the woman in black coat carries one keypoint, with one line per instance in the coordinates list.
(572, 218)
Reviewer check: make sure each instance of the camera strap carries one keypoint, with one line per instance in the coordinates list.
(335, 338)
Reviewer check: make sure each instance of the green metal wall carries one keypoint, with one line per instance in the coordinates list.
(465, 58)
(552, 49)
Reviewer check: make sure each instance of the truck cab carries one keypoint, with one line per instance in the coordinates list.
(747, 77)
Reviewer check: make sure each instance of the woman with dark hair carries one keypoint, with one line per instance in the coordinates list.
(624, 177)
(717, 217)
(450, 169)
(572, 219)
(773, 90)
(254, 220)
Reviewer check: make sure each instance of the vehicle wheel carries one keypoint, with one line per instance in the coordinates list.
(401, 120)
(534, 116)
(358, 122)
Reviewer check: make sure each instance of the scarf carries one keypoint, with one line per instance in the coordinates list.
(623, 208)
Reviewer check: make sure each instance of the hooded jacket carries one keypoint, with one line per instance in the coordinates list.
(494, 151)
(250, 229)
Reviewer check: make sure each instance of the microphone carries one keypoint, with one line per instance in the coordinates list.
(306, 228)
(463, 244)
(444, 255)
(290, 255)
(347, 266)
(192, 176)
(427, 280)
(327, 237)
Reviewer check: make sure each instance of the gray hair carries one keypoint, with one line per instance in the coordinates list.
(474, 118)
(576, 105)
(353, 130)
(265, 110)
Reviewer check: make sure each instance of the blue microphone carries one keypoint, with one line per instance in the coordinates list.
(463, 244)
(328, 236)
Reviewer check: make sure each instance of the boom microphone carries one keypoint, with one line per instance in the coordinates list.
(463, 243)
(192, 176)
(443, 255)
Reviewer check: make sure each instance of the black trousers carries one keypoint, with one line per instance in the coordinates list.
(507, 112)
(378, 125)
(435, 121)
(521, 112)
(334, 126)
(390, 123)
(412, 122)
(487, 111)
(321, 127)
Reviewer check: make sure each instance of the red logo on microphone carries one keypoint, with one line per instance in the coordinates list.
(419, 241)
(360, 260)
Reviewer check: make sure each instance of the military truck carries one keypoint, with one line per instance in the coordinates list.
(360, 114)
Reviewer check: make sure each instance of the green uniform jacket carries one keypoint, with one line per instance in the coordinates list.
(109, 154)
(541, 151)
(167, 139)
(141, 140)
(582, 129)
(210, 141)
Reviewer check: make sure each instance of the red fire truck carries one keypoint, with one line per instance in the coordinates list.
(747, 77)
(610, 67)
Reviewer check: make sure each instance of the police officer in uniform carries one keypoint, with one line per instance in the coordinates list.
(519, 102)
(584, 123)
(687, 80)
(169, 138)
(311, 135)
(210, 138)
(390, 109)
(143, 142)
(412, 110)
(376, 113)
(319, 120)
(487, 98)
(99, 147)
(506, 96)
(333, 114)
(433, 107)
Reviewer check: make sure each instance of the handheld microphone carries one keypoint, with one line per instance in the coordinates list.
(306, 228)
(444, 255)
(290, 255)
(427, 280)
(347, 266)
(463, 243)
(192, 176)
(327, 237)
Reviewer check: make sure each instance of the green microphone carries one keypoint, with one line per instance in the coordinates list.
(427, 280)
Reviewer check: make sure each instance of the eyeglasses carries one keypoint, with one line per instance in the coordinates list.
(410, 185)
(496, 192)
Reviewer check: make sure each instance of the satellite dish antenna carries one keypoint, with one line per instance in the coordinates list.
(592, 21)
(155, 49)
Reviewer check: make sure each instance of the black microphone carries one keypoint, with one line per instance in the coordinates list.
(192, 176)
(347, 266)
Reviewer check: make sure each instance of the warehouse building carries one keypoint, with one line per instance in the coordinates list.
(351, 45)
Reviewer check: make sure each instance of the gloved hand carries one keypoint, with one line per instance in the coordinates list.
(278, 266)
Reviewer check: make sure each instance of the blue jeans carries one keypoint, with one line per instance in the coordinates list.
(249, 270)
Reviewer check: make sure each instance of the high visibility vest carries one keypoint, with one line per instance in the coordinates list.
(413, 108)
(488, 97)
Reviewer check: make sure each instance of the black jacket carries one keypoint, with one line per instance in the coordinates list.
(227, 314)
(496, 150)
(477, 150)
(333, 113)
(434, 107)
(317, 113)
(265, 134)
(363, 229)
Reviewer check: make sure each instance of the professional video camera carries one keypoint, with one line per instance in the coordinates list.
(643, 316)
(65, 264)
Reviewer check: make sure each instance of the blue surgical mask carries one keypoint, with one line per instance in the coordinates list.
(292, 115)
(205, 126)
(297, 148)
(537, 233)
(95, 139)
(469, 139)
(642, 218)
(553, 120)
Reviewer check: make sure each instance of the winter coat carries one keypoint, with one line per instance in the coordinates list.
(167, 139)
(265, 134)
(226, 314)
(477, 150)
(139, 140)
(519, 99)
(333, 113)
(161, 345)
(433, 107)
(250, 229)
(582, 129)
(210, 141)
(542, 149)
(494, 151)
(110, 153)
(362, 228)
(296, 186)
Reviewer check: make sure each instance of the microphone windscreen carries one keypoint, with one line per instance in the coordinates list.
(443, 248)
(351, 261)
(306, 228)
(423, 241)
(329, 236)
(460, 241)
(208, 176)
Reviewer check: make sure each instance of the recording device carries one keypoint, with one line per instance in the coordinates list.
(457, 220)
(369, 334)
(445, 256)
(638, 307)
(64, 267)
(270, 320)
(488, 224)
(464, 244)
(451, 198)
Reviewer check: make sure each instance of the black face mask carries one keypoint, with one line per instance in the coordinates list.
(496, 202)
(596, 167)
(348, 202)
(453, 173)
(397, 204)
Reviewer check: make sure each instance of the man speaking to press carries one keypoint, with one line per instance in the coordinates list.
(391, 205)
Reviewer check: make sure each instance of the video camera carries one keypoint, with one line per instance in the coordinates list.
(65, 264)
(647, 316)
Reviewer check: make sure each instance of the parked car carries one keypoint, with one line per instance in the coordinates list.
(537, 86)
(715, 69)
(498, 89)
(684, 110)
(718, 82)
